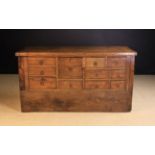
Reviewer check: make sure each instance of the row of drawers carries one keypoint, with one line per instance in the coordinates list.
(111, 62)
(72, 68)
(88, 73)
(52, 83)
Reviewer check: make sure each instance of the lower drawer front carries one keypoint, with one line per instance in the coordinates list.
(42, 83)
(70, 84)
(118, 85)
(94, 84)
(37, 71)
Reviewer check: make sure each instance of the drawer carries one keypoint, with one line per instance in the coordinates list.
(42, 83)
(70, 68)
(70, 84)
(95, 62)
(70, 62)
(70, 72)
(92, 84)
(96, 73)
(40, 71)
(41, 61)
(118, 85)
(118, 74)
(117, 62)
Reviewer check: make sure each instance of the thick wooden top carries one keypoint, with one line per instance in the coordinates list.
(77, 51)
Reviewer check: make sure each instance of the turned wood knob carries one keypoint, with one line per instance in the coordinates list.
(70, 68)
(95, 63)
(41, 62)
(41, 72)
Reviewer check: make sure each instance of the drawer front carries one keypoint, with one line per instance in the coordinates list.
(42, 83)
(118, 74)
(91, 84)
(117, 62)
(70, 84)
(95, 62)
(70, 72)
(118, 85)
(70, 62)
(98, 73)
(41, 61)
(39, 71)
(70, 68)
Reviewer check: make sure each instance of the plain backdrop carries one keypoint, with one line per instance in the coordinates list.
(141, 40)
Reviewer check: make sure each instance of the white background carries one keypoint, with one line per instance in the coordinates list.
(80, 14)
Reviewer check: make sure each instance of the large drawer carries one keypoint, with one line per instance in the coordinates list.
(70, 68)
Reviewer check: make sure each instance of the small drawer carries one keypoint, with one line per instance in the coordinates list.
(117, 62)
(70, 72)
(96, 73)
(94, 84)
(63, 62)
(39, 71)
(70, 84)
(42, 83)
(41, 61)
(118, 85)
(95, 62)
(118, 74)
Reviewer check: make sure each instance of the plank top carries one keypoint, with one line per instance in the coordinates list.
(77, 51)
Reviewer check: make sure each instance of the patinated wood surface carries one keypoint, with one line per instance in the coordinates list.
(76, 79)
(77, 100)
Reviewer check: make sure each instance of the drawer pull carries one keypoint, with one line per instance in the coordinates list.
(70, 69)
(95, 63)
(41, 62)
(41, 72)
(42, 81)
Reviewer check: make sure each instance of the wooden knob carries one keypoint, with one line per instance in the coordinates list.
(95, 63)
(41, 72)
(70, 69)
(42, 81)
(41, 62)
(70, 85)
